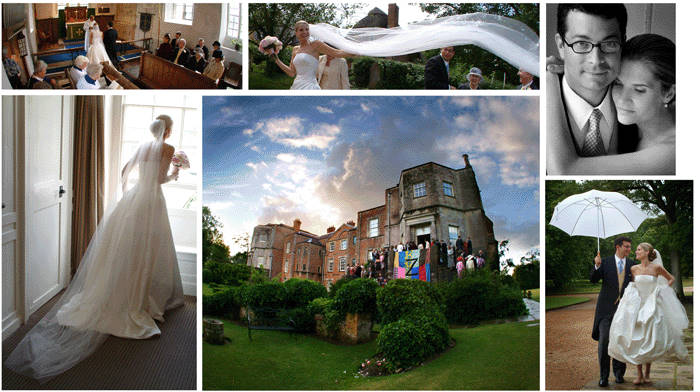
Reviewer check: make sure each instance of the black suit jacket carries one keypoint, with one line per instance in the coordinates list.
(435, 76)
(110, 40)
(610, 289)
(184, 58)
(197, 65)
(205, 50)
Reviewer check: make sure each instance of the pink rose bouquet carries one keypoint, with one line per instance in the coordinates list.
(180, 160)
(270, 45)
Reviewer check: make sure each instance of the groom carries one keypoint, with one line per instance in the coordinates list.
(589, 40)
(437, 70)
(110, 41)
(615, 271)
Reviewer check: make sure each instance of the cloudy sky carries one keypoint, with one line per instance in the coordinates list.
(323, 159)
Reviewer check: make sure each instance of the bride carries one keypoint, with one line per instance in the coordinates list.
(305, 59)
(97, 52)
(644, 94)
(127, 278)
(649, 320)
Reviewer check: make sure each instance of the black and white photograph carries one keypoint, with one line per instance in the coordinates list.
(611, 89)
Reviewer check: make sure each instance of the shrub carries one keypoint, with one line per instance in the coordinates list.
(357, 296)
(401, 296)
(433, 327)
(331, 317)
(207, 276)
(403, 344)
(338, 284)
(303, 319)
(481, 296)
(226, 273)
(300, 292)
(224, 303)
(527, 275)
(266, 295)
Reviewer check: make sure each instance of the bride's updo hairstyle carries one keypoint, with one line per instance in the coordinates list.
(659, 54)
(647, 247)
(300, 23)
(161, 124)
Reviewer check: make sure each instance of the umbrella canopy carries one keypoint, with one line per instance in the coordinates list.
(597, 214)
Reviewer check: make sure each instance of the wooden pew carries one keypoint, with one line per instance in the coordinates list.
(117, 76)
(158, 73)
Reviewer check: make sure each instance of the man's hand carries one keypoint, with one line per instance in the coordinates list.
(597, 260)
(555, 65)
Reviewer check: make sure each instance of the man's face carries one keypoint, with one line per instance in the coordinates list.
(177, 35)
(595, 70)
(181, 44)
(525, 77)
(201, 43)
(624, 249)
(447, 53)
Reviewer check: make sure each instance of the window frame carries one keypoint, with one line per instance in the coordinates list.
(417, 187)
(170, 17)
(344, 244)
(342, 264)
(369, 227)
(330, 265)
(451, 188)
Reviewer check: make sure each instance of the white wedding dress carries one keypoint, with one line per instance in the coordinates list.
(648, 323)
(306, 66)
(127, 279)
(97, 52)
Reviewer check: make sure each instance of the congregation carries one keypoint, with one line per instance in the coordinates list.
(196, 59)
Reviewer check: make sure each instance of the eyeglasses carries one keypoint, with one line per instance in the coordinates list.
(582, 47)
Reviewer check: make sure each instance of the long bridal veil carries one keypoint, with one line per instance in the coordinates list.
(125, 280)
(507, 38)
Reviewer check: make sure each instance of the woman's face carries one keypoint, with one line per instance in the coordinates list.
(637, 93)
(302, 32)
(640, 253)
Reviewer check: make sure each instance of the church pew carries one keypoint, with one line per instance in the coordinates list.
(117, 76)
(158, 73)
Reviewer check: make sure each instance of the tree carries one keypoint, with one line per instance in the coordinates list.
(213, 246)
(240, 258)
(503, 264)
(243, 242)
(527, 273)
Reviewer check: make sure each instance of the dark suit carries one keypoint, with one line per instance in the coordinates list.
(197, 65)
(608, 298)
(435, 76)
(533, 86)
(110, 41)
(184, 58)
(205, 50)
(173, 43)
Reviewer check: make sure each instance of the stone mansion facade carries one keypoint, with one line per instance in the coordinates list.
(431, 201)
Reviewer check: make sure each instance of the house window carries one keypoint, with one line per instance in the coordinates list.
(342, 264)
(330, 265)
(369, 255)
(373, 227)
(447, 189)
(304, 252)
(303, 267)
(354, 240)
(419, 189)
(289, 244)
(331, 246)
(286, 266)
(179, 13)
(454, 233)
(343, 244)
(233, 26)
(261, 261)
(353, 261)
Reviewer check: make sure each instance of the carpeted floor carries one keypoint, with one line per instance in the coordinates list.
(168, 361)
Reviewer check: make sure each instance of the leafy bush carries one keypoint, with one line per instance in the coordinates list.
(270, 294)
(224, 302)
(207, 276)
(226, 273)
(401, 296)
(338, 284)
(402, 343)
(303, 319)
(300, 292)
(433, 327)
(481, 296)
(392, 74)
(527, 275)
(357, 296)
(331, 317)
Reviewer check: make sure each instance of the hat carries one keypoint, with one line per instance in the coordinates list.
(216, 43)
(475, 71)
(218, 54)
(199, 50)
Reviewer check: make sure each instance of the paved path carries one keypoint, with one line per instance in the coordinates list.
(572, 355)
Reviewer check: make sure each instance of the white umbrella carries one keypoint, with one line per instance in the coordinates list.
(597, 214)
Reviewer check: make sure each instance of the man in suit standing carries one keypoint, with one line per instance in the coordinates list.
(205, 50)
(181, 56)
(175, 40)
(110, 41)
(616, 273)
(437, 70)
(589, 40)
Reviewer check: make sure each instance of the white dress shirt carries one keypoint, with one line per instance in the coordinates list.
(579, 112)
(76, 74)
(83, 84)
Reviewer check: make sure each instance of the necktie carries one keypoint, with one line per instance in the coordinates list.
(619, 267)
(593, 143)
(178, 56)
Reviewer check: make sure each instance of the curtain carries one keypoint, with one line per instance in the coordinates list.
(88, 173)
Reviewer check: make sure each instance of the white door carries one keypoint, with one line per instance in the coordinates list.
(48, 170)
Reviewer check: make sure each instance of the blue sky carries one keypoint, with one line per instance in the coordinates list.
(321, 159)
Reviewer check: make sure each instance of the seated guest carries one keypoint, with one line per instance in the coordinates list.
(215, 68)
(216, 45)
(173, 43)
(11, 69)
(200, 44)
(474, 77)
(165, 50)
(197, 62)
(181, 56)
(77, 72)
(527, 81)
(91, 80)
(39, 75)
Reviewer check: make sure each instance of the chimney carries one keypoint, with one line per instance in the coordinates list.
(351, 223)
(466, 160)
(297, 224)
(330, 229)
(393, 17)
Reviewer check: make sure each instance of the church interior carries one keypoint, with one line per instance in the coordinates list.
(53, 33)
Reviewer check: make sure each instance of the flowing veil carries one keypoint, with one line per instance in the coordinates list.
(114, 290)
(507, 38)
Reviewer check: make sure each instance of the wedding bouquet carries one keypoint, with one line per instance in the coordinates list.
(270, 45)
(180, 160)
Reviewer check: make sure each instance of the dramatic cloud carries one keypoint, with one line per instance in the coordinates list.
(324, 110)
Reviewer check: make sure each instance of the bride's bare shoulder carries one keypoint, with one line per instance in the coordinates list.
(168, 149)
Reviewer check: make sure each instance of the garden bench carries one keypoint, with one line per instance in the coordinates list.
(268, 319)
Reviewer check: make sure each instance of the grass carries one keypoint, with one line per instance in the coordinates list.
(495, 357)
(260, 81)
(560, 302)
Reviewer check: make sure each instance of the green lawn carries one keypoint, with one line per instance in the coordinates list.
(258, 80)
(560, 302)
(536, 294)
(495, 357)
